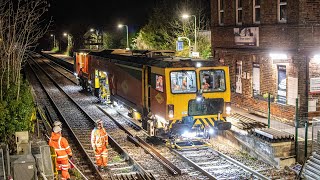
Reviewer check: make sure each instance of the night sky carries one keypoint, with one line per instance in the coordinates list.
(70, 15)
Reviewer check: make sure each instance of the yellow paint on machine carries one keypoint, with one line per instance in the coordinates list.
(180, 101)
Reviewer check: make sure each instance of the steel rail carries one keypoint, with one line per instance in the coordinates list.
(144, 174)
(174, 170)
(63, 118)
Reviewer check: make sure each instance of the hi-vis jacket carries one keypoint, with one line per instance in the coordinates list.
(99, 138)
(60, 145)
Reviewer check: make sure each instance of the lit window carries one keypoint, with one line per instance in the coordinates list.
(213, 81)
(256, 11)
(239, 12)
(221, 11)
(183, 82)
(282, 11)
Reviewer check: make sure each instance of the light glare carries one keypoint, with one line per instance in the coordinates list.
(185, 16)
(278, 56)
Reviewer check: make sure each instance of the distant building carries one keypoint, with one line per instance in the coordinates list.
(270, 47)
(93, 40)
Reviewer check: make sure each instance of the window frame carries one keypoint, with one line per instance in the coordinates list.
(254, 12)
(220, 10)
(183, 92)
(279, 13)
(237, 12)
(225, 85)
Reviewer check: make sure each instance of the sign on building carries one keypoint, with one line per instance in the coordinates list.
(179, 45)
(256, 79)
(238, 77)
(246, 36)
(314, 85)
(282, 84)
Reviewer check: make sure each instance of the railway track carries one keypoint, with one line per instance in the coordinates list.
(190, 169)
(205, 162)
(80, 126)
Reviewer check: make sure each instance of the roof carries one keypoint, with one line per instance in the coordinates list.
(139, 61)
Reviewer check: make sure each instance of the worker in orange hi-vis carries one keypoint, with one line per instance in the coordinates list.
(63, 151)
(99, 142)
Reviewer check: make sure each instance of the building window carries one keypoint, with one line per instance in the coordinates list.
(221, 11)
(239, 12)
(282, 11)
(256, 11)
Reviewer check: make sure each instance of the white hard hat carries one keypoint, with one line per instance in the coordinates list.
(57, 123)
(57, 129)
(98, 121)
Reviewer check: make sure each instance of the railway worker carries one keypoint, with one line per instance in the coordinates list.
(81, 79)
(99, 142)
(62, 150)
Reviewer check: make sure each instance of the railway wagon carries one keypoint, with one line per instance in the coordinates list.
(169, 95)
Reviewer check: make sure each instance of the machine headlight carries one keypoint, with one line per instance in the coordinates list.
(171, 110)
(228, 109)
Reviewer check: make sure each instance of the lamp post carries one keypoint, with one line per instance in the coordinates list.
(68, 38)
(186, 16)
(54, 40)
(120, 26)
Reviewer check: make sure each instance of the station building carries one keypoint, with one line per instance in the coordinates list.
(271, 47)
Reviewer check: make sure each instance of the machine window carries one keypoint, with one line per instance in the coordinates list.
(159, 83)
(183, 82)
(213, 80)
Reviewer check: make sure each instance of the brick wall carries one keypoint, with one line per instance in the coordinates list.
(299, 38)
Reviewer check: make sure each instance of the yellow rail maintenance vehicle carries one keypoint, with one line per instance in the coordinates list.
(169, 95)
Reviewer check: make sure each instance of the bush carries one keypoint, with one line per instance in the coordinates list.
(15, 115)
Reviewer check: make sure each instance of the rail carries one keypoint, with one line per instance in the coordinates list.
(174, 170)
(143, 173)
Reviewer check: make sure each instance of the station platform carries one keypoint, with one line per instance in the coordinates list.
(63, 57)
(275, 124)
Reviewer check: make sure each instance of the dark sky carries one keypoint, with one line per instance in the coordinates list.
(84, 14)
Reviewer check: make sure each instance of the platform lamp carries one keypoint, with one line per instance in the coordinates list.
(121, 26)
(54, 40)
(186, 16)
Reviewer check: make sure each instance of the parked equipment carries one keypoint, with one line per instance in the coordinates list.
(169, 95)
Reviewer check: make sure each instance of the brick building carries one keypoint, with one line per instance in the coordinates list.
(271, 47)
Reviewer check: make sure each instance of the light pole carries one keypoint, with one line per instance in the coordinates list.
(68, 38)
(54, 40)
(186, 16)
(120, 26)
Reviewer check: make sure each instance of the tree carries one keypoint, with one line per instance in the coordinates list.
(165, 25)
(21, 27)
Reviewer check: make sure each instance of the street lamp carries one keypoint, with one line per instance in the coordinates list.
(54, 40)
(121, 26)
(68, 38)
(91, 30)
(186, 16)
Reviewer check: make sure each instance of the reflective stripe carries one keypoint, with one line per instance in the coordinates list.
(68, 147)
(62, 149)
(104, 156)
(64, 156)
(59, 143)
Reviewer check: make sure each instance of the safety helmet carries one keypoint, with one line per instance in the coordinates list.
(99, 121)
(57, 123)
(57, 129)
